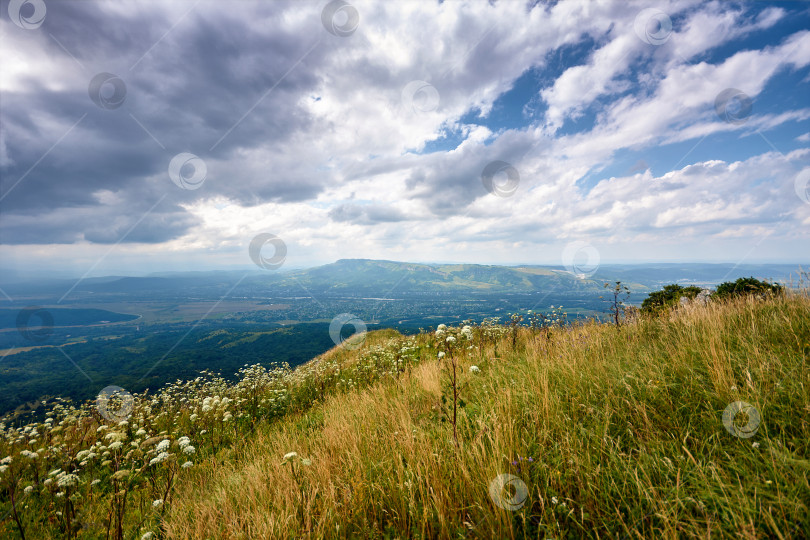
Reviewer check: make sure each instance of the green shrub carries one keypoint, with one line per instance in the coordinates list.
(745, 286)
(670, 295)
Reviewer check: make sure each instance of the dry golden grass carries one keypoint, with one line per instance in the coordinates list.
(624, 430)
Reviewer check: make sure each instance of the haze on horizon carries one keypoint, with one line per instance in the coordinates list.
(153, 136)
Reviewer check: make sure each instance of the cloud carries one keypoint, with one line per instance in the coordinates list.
(314, 136)
(681, 106)
(608, 70)
(366, 214)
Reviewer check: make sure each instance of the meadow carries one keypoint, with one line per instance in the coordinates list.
(694, 423)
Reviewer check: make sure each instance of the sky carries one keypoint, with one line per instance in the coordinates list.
(145, 136)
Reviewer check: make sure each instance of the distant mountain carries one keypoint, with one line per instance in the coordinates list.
(379, 278)
(351, 276)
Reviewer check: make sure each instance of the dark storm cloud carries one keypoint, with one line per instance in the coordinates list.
(188, 91)
(447, 183)
(369, 214)
(102, 224)
(153, 228)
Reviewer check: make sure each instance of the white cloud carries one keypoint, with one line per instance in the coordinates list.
(682, 105)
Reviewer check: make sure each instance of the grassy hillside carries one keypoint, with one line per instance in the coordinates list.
(612, 433)
(608, 434)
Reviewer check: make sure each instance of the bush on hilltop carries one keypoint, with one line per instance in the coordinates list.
(667, 297)
(746, 286)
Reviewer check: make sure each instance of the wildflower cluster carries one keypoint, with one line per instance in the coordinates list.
(491, 329)
(454, 339)
(555, 318)
(76, 457)
(73, 459)
(330, 374)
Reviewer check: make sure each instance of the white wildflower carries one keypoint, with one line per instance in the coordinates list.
(67, 480)
(160, 458)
